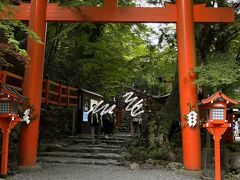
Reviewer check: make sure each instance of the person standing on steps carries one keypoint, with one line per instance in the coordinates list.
(136, 124)
(107, 125)
(95, 122)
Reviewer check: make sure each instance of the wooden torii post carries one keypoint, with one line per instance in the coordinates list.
(183, 13)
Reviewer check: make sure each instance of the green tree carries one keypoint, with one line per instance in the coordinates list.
(218, 59)
(9, 30)
(102, 57)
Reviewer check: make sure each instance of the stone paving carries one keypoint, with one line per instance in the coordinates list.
(80, 150)
(79, 159)
(97, 172)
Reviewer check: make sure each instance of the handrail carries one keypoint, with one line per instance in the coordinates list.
(54, 93)
(14, 75)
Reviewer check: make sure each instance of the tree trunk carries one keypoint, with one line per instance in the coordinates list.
(159, 126)
(169, 114)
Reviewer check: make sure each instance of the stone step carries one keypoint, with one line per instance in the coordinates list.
(107, 141)
(101, 138)
(86, 149)
(71, 160)
(124, 130)
(117, 135)
(124, 123)
(123, 135)
(81, 155)
(57, 147)
(123, 127)
(102, 145)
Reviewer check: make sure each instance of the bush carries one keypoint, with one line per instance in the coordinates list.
(160, 153)
(56, 122)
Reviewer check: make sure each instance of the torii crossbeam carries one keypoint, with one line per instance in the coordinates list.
(110, 12)
(183, 13)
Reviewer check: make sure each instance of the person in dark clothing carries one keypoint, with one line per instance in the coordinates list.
(96, 123)
(108, 124)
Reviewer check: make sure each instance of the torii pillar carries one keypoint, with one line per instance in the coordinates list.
(184, 13)
(191, 143)
(33, 79)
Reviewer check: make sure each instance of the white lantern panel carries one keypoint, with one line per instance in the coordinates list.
(4, 107)
(218, 114)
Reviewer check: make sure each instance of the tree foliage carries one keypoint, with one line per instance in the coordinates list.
(10, 29)
(218, 55)
(218, 52)
(105, 57)
(221, 72)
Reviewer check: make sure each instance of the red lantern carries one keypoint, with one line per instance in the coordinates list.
(10, 100)
(217, 122)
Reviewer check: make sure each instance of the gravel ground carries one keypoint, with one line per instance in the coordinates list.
(97, 172)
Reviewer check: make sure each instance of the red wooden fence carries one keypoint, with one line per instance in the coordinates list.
(54, 93)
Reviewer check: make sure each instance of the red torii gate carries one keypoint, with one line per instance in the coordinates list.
(183, 13)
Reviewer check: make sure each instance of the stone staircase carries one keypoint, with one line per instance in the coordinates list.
(79, 149)
(125, 125)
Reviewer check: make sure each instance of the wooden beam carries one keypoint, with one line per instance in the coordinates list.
(203, 14)
(121, 14)
(23, 12)
(56, 13)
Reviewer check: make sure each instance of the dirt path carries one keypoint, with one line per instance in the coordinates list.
(96, 172)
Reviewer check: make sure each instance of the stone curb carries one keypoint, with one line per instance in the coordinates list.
(189, 173)
(30, 168)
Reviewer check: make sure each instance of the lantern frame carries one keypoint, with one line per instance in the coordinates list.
(217, 101)
(13, 97)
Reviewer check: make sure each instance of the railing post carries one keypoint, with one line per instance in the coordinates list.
(68, 95)
(3, 76)
(46, 89)
(22, 82)
(5, 149)
(59, 93)
(79, 111)
(73, 121)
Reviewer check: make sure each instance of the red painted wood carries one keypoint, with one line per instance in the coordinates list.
(191, 143)
(122, 14)
(217, 95)
(5, 143)
(56, 13)
(217, 131)
(59, 96)
(110, 3)
(68, 94)
(33, 83)
(6, 126)
(3, 75)
(5, 148)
